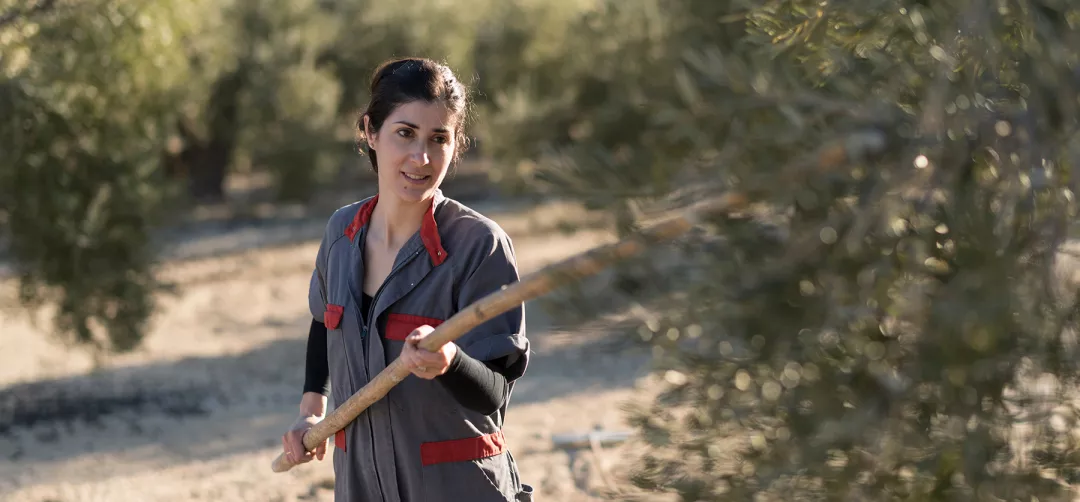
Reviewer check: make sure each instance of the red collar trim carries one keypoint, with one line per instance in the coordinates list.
(429, 233)
(429, 230)
(362, 217)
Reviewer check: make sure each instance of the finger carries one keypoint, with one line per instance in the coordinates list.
(432, 366)
(424, 364)
(411, 362)
(428, 357)
(288, 450)
(302, 455)
(415, 336)
(420, 359)
(291, 450)
(297, 449)
(408, 356)
(423, 371)
(296, 446)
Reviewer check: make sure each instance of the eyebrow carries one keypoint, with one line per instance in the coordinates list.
(414, 126)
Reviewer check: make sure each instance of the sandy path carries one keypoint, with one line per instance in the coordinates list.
(197, 413)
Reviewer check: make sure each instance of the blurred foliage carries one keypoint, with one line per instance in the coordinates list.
(288, 116)
(889, 320)
(118, 115)
(80, 136)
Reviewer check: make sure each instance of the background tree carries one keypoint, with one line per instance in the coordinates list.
(118, 115)
(79, 184)
(888, 320)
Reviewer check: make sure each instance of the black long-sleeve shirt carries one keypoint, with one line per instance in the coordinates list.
(476, 385)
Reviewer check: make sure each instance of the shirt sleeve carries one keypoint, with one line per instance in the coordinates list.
(317, 367)
(490, 266)
(476, 385)
(317, 285)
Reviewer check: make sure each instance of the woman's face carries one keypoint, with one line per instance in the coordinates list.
(414, 147)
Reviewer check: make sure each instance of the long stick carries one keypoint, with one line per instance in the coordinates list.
(854, 146)
(532, 286)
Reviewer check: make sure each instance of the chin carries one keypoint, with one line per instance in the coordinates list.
(414, 194)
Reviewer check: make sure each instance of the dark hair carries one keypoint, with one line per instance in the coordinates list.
(399, 81)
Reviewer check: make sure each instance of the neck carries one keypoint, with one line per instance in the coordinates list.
(394, 221)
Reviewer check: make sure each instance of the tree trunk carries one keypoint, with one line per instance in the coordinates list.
(205, 163)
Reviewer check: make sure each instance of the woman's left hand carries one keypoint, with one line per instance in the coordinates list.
(424, 364)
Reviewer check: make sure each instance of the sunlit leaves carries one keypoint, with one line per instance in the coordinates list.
(84, 112)
(876, 327)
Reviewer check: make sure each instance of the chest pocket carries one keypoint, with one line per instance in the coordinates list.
(399, 326)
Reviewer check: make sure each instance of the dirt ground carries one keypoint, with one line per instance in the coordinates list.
(197, 413)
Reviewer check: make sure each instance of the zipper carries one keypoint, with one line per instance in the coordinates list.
(364, 333)
(359, 245)
(375, 299)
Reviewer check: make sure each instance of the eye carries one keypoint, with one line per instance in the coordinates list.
(405, 133)
(442, 140)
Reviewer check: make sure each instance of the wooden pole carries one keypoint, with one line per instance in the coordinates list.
(853, 147)
(532, 286)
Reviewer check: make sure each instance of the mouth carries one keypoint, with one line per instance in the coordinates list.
(415, 178)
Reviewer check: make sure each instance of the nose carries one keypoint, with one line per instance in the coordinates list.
(420, 157)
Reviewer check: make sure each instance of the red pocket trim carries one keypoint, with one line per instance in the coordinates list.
(332, 316)
(462, 450)
(398, 326)
(339, 440)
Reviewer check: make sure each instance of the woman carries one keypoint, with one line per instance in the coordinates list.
(389, 269)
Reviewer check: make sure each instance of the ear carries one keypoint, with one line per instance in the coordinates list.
(369, 134)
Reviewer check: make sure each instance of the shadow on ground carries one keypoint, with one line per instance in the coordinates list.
(202, 408)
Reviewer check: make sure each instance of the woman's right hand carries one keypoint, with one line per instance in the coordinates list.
(293, 441)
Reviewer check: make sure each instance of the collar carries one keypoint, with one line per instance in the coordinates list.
(429, 230)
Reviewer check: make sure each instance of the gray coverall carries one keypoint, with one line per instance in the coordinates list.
(418, 444)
